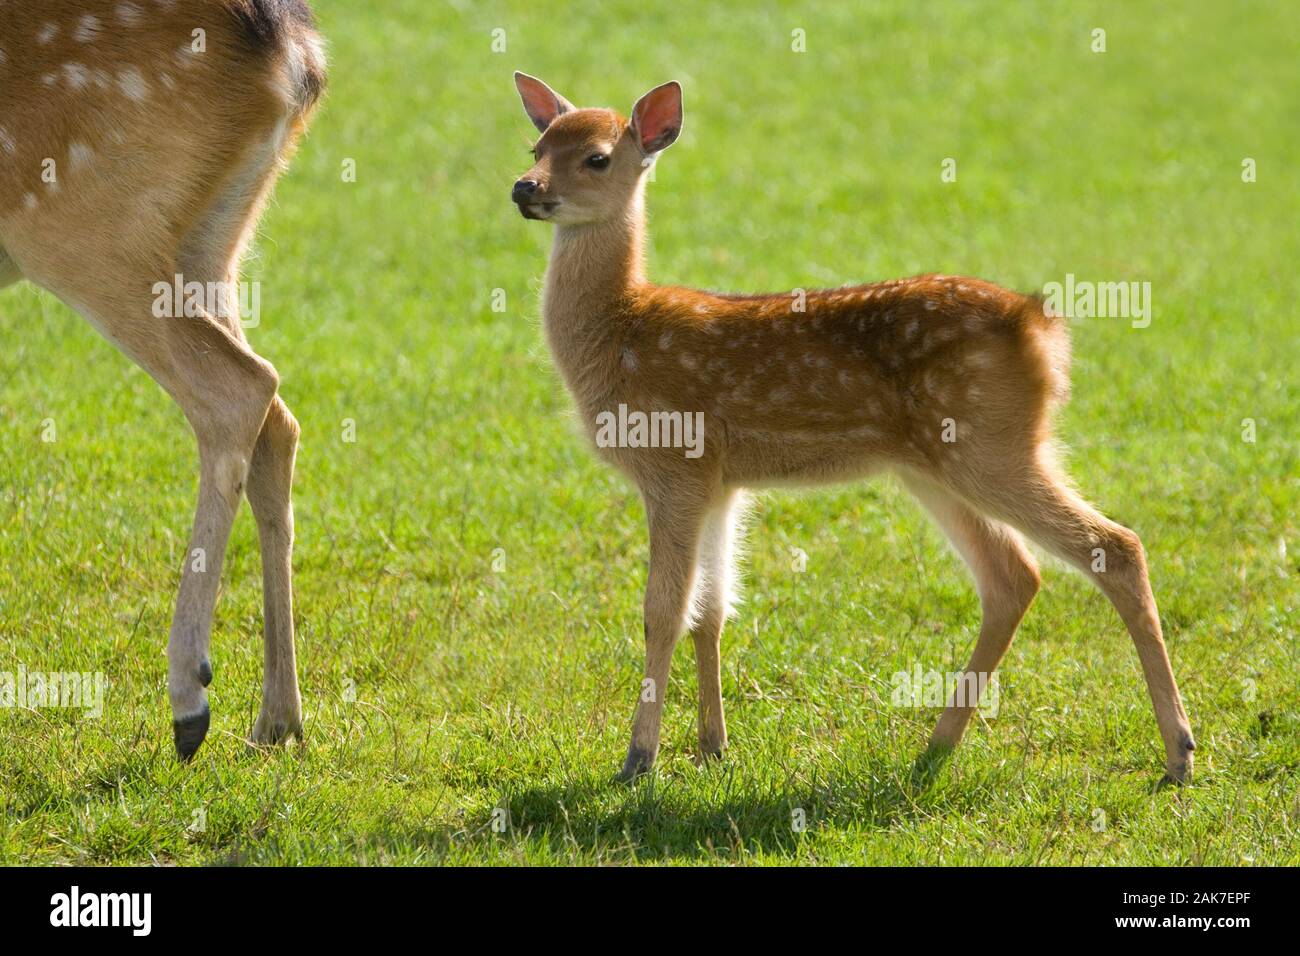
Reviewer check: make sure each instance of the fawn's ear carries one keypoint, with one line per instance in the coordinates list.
(657, 118)
(541, 103)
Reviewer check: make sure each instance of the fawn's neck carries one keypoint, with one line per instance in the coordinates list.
(593, 269)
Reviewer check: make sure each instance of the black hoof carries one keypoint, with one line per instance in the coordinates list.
(638, 763)
(1175, 778)
(188, 732)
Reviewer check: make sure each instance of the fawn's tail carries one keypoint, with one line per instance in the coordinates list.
(1047, 338)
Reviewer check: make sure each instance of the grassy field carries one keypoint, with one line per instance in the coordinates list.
(445, 680)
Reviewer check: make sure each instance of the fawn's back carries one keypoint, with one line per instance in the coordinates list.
(818, 385)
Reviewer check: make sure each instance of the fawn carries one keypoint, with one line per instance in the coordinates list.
(948, 382)
(139, 140)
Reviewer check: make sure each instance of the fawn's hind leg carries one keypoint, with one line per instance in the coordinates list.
(1037, 500)
(1006, 577)
(710, 605)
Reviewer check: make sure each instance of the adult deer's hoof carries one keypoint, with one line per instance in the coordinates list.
(188, 732)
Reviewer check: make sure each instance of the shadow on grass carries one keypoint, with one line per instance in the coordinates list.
(714, 817)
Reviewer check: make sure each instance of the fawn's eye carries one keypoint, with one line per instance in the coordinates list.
(597, 161)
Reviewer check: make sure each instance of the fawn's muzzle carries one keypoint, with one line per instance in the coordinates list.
(532, 203)
(524, 191)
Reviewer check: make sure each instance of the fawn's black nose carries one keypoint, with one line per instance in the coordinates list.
(523, 190)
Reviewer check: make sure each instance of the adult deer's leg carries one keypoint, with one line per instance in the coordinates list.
(225, 391)
(270, 478)
(227, 415)
(212, 253)
(1007, 579)
(675, 522)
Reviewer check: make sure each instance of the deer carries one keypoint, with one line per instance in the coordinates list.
(139, 142)
(949, 383)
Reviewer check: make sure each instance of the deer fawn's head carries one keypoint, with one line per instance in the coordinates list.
(590, 164)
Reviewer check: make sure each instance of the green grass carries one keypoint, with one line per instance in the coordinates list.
(478, 690)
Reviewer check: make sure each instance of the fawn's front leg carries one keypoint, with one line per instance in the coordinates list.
(674, 538)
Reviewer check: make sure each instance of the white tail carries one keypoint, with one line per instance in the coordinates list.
(949, 382)
(138, 142)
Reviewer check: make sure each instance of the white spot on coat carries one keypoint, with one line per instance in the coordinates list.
(87, 29)
(128, 14)
(132, 83)
(79, 155)
(77, 76)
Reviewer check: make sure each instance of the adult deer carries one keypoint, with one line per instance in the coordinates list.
(949, 382)
(139, 140)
